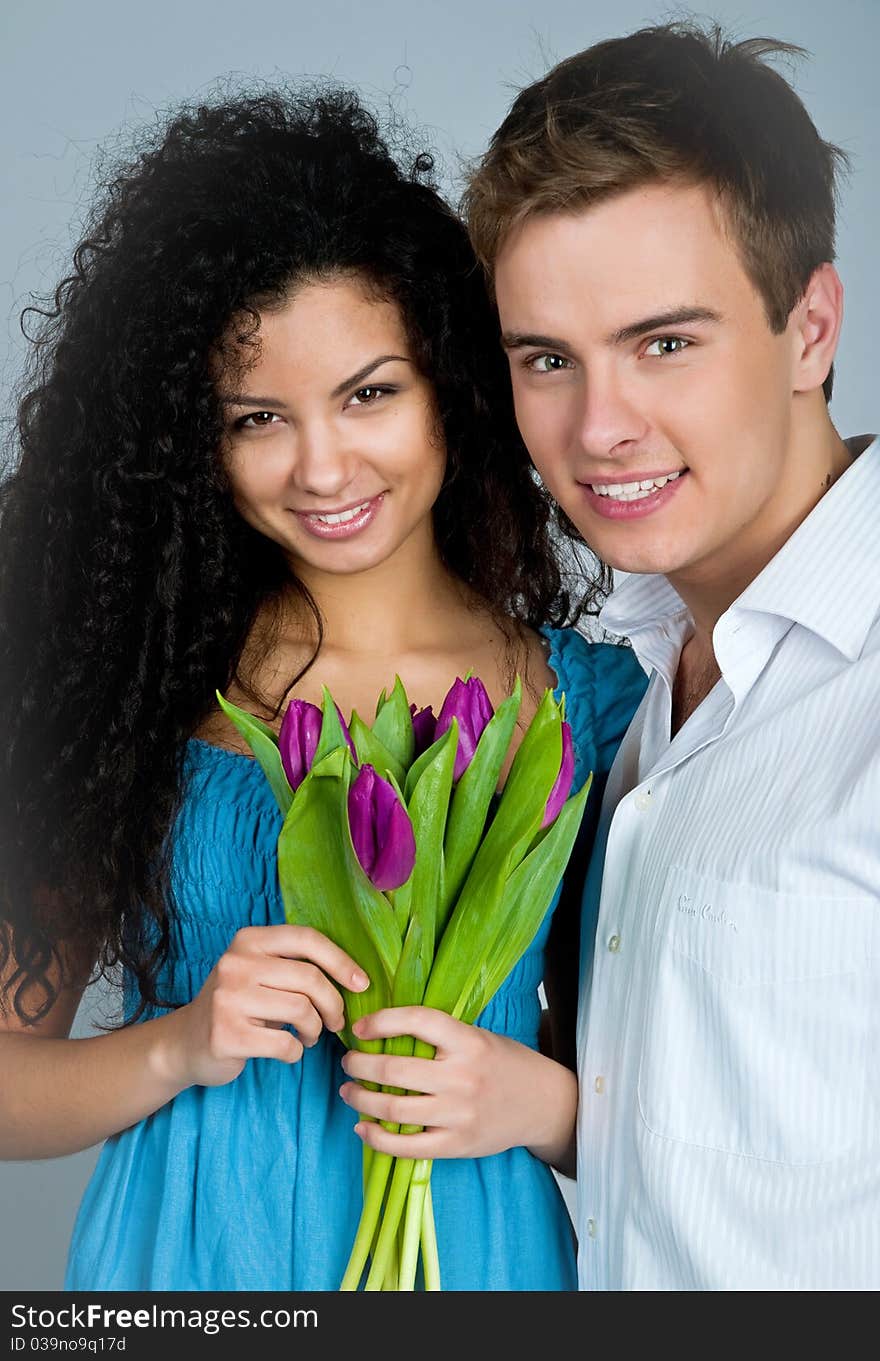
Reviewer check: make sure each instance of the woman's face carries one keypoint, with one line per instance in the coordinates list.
(332, 443)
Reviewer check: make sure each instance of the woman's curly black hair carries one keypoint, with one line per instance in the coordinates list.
(128, 582)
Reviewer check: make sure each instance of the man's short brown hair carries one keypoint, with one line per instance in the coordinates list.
(670, 103)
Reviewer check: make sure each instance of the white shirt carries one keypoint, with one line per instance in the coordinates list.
(728, 1037)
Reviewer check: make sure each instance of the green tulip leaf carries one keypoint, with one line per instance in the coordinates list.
(467, 937)
(474, 793)
(324, 886)
(373, 752)
(263, 742)
(427, 806)
(413, 775)
(393, 725)
(332, 736)
(532, 776)
(524, 903)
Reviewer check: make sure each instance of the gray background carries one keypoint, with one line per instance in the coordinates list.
(76, 76)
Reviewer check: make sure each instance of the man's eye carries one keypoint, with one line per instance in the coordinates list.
(255, 420)
(664, 345)
(547, 363)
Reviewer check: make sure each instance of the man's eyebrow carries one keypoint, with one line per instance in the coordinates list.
(677, 316)
(247, 399)
(519, 340)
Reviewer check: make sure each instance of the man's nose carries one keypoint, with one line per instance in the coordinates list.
(610, 421)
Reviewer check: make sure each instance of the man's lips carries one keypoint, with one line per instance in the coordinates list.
(634, 499)
(618, 479)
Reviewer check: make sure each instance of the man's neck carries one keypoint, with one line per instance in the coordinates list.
(710, 587)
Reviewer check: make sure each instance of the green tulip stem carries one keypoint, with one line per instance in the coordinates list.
(380, 1167)
(392, 1275)
(394, 1207)
(430, 1255)
(415, 1208)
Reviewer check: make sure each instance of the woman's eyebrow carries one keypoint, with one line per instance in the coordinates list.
(366, 371)
(246, 399)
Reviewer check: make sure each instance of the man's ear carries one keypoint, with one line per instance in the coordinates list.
(815, 323)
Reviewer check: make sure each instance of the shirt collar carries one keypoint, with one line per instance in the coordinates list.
(826, 576)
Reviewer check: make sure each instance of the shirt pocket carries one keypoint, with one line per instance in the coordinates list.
(761, 1020)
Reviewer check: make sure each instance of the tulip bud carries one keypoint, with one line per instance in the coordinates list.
(424, 728)
(468, 702)
(299, 737)
(381, 831)
(562, 788)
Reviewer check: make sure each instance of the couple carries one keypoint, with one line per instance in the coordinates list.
(272, 447)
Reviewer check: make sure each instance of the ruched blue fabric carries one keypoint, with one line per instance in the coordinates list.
(256, 1185)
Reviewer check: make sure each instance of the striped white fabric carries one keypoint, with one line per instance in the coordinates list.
(729, 1045)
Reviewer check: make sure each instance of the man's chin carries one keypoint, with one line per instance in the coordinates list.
(641, 562)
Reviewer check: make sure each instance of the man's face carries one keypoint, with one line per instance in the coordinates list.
(640, 351)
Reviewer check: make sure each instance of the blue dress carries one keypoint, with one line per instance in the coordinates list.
(256, 1185)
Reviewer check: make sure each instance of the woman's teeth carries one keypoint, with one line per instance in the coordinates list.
(343, 516)
(633, 491)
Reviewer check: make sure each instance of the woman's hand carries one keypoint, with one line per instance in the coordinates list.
(270, 977)
(481, 1093)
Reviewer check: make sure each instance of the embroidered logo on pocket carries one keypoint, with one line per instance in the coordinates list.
(704, 912)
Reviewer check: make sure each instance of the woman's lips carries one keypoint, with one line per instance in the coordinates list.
(340, 524)
(611, 508)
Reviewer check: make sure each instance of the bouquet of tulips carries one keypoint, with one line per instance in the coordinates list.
(397, 846)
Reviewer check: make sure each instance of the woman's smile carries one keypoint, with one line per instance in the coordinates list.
(341, 524)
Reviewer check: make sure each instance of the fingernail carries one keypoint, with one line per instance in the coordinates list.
(358, 1028)
(359, 980)
(359, 1131)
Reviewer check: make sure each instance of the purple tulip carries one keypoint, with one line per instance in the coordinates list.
(468, 702)
(299, 736)
(381, 831)
(298, 739)
(562, 788)
(424, 725)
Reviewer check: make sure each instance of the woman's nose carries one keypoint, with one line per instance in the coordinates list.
(323, 466)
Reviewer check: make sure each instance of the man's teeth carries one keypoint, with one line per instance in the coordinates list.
(633, 491)
(342, 517)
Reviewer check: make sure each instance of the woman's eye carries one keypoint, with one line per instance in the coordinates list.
(255, 420)
(664, 345)
(369, 395)
(547, 363)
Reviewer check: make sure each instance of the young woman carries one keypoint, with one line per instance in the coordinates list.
(270, 446)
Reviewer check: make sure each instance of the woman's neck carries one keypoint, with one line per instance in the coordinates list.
(409, 616)
(396, 606)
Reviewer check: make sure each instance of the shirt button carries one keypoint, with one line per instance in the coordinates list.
(591, 1228)
(642, 800)
(614, 944)
(599, 1085)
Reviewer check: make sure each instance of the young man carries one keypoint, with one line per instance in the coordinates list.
(657, 219)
